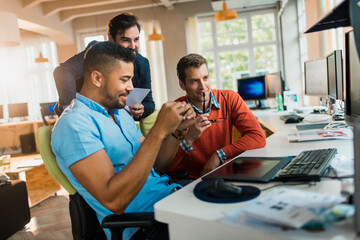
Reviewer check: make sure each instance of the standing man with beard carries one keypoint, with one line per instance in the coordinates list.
(101, 151)
(124, 30)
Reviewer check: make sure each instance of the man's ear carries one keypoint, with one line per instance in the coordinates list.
(97, 78)
(182, 85)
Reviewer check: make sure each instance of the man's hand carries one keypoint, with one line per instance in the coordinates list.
(136, 111)
(170, 116)
(211, 164)
(198, 125)
(189, 118)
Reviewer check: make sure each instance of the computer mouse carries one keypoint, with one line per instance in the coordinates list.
(292, 120)
(222, 189)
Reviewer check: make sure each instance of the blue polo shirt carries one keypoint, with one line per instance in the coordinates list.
(84, 128)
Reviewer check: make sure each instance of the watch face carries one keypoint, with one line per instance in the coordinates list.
(179, 134)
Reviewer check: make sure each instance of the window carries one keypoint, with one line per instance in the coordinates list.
(86, 38)
(23, 80)
(246, 46)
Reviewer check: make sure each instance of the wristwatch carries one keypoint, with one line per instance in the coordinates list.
(179, 134)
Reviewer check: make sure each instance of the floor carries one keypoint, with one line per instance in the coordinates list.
(50, 220)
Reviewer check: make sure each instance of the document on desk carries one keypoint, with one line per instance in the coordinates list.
(320, 134)
(31, 163)
(289, 207)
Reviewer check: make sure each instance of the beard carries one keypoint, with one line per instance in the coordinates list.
(135, 50)
(112, 102)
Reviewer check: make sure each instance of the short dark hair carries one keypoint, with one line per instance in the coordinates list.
(103, 56)
(188, 61)
(118, 24)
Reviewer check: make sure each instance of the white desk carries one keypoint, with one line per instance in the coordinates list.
(191, 218)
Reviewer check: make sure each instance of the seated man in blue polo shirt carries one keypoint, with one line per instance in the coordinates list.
(99, 148)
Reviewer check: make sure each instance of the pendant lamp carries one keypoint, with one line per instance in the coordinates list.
(10, 33)
(41, 59)
(155, 36)
(225, 13)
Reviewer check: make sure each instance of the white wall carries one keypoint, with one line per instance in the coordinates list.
(32, 19)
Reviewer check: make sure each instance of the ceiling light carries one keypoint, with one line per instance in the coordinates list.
(155, 36)
(41, 59)
(10, 33)
(225, 13)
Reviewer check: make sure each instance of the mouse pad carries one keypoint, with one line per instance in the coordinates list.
(248, 193)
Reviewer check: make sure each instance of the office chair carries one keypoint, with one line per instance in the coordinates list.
(84, 222)
(147, 123)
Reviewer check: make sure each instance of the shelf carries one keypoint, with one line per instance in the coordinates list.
(338, 17)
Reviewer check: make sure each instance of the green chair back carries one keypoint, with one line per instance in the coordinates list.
(43, 141)
(147, 123)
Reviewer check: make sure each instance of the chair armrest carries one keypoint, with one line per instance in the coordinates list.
(177, 175)
(117, 223)
(125, 220)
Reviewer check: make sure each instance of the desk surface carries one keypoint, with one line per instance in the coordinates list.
(191, 218)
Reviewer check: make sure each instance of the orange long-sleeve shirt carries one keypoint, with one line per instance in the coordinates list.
(219, 135)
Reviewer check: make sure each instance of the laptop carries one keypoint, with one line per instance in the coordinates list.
(250, 169)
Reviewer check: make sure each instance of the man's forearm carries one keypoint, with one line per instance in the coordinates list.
(166, 154)
(130, 180)
(115, 192)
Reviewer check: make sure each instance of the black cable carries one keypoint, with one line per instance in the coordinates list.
(339, 178)
(336, 177)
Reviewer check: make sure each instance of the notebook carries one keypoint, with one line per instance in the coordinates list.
(302, 127)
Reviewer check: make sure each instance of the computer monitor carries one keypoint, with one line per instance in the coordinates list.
(18, 110)
(316, 77)
(352, 112)
(48, 109)
(1, 111)
(335, 75)
(273, 84)
(252, 88)
(352, 80)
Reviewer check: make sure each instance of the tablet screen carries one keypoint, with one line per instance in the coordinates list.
(250, 169)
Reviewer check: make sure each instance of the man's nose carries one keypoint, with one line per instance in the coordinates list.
(202, 84)
(130, 86)
(132, 45)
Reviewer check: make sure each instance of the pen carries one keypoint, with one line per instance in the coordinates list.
(204, 103)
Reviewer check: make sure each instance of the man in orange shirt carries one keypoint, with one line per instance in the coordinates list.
(208, 142)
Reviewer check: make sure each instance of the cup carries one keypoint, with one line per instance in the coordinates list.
(5, 159)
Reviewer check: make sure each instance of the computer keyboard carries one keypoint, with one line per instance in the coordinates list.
(307, 166)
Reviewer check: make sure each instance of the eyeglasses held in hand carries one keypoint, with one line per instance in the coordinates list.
(217, 119)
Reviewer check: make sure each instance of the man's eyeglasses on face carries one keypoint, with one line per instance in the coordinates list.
(217, 119)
